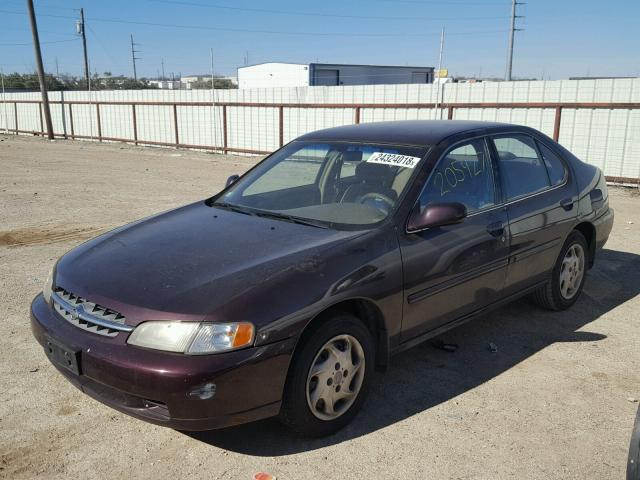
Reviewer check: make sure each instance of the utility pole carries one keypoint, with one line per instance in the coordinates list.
(512, 30)
(41, 77)
(81, 30)
(162, 62)
(4, 104)
(134, 58)
(213, 101)
(439, 69)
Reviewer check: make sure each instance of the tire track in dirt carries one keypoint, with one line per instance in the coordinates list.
(44, 235)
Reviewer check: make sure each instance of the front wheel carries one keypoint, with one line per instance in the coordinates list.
(329, 377)
(568, 276)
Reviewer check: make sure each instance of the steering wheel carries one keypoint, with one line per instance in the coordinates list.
(375, 198)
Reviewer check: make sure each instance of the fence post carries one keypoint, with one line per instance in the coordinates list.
(73, 133)
(99, 123)
(62, 115)
(225, 144)
(556, 123)
(281, 125)
(450, 112)
(175, 123)
(357, 115)
(41, 124)
(135, 124)
(15, 115)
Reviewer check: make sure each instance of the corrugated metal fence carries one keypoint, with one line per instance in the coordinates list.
(598, 120)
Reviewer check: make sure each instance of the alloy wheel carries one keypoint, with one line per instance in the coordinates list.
(335, 377)
(572, 271)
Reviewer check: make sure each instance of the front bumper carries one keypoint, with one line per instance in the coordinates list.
(163, 388)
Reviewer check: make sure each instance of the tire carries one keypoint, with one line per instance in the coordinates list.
(556, 295)
(321, 349)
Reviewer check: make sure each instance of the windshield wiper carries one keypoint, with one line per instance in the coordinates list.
(233, 208)
(289, 218)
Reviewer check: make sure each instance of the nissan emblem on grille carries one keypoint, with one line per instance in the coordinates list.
(79, 310)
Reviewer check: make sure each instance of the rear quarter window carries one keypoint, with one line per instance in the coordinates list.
(555, 166)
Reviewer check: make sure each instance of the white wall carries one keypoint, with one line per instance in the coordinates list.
(269, 75)
(609, 139)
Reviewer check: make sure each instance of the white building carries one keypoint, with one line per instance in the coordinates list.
(167, 84)
(281, 74)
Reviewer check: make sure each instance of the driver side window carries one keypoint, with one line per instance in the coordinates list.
(464, 174)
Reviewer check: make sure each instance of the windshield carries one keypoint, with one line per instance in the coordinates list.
(335, 184)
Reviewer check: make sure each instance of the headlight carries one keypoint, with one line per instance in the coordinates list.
(48, 286)
(191, 337)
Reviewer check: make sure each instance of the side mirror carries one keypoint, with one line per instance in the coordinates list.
(231, 180)
(436, 215)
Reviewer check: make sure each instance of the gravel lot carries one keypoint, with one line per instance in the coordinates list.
(557, 400)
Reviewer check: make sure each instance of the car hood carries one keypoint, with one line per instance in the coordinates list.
(186, 263)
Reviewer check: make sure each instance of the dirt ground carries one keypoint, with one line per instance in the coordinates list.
(557, 400)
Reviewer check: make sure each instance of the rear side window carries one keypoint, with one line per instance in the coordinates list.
(521, 169)
(555, 166)
(465, 175)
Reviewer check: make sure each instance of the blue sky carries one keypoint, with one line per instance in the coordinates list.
(561, 38)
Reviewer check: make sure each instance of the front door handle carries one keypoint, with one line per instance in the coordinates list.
(496, 229)
(567, 204)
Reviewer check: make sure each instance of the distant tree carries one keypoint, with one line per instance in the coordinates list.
(221, 83)
(29, 81)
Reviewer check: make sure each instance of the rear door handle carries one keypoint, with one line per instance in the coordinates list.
(496, 229)
(567, 204)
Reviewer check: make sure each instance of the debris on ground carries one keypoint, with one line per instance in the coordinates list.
(34, 370)
(632, 399)
(263, 476)
(447, 347)
(493, 348)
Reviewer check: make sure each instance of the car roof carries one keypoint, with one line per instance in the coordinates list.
(405, 132)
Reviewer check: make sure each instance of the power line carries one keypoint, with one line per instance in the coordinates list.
(274, 32)
(440, 2)
(317, 14)
(29, 43)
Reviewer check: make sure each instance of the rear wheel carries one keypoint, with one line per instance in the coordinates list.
(568, 276)
(329, 377)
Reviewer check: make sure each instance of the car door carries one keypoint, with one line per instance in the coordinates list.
(539, 196)
(453, 270)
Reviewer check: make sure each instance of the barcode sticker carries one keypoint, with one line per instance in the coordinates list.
(393, 159)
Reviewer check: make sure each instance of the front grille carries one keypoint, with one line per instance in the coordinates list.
(88, 316)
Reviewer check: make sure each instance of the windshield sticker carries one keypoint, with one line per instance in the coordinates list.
(393, 159)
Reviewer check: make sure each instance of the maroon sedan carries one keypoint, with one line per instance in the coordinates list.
(283, 294)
